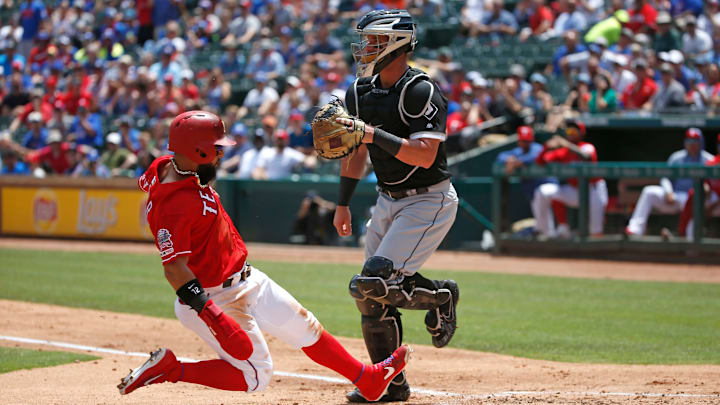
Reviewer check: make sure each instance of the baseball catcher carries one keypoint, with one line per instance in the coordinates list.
(397, 116)
(221, 297)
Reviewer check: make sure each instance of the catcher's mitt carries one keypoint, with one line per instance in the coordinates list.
(333, 140)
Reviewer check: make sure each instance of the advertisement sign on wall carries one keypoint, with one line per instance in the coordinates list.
(75, 212)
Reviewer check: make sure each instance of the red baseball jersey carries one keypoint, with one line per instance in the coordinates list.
(714, 183)
(187, 219)
(564, 155)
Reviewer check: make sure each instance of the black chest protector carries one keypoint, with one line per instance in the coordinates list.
(413, 108)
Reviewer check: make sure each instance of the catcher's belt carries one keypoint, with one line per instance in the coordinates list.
(396, 195)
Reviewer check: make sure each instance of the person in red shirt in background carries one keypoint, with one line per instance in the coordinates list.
(188, 89)
(637, 95)
(642, 17)
(221, 297)
(55, 157)
(467, 115)
(561, 150)
(712, 200)
(540, 20)
(71, 98)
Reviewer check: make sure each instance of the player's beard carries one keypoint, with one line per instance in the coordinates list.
(206, 173)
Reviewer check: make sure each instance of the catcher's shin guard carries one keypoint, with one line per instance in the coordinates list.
(441, 322)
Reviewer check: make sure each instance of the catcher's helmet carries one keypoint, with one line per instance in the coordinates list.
(196, 134)
(373, 53)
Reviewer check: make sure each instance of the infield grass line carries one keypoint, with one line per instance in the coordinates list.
(538, 317)
(345, 381)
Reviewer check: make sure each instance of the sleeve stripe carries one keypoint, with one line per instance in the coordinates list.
(427, 134)
(186, 252)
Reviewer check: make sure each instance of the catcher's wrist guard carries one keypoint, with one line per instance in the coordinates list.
(347, 188)
(387, 141)
(192, 293)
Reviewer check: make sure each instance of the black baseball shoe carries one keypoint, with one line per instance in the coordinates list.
(395, 392)
(441, 322)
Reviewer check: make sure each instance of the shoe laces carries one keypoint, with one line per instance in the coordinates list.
(388, 361)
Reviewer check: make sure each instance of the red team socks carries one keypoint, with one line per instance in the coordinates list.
(328, 352)
(213, 373)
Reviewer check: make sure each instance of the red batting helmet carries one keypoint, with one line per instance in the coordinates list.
(195, 134)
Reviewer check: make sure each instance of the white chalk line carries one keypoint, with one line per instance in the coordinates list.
(344, 381)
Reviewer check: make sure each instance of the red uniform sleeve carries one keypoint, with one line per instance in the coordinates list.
(172, 236)
(555, 155)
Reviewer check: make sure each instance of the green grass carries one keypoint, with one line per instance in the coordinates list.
(553, 318)
(25, 359)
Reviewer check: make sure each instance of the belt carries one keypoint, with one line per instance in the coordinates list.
(242, 275)
(396, 195)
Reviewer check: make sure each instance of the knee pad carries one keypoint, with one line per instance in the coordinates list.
(378, 266)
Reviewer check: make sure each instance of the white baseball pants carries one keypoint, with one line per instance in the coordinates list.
(653, 198)
(567, 194)
(258, 304)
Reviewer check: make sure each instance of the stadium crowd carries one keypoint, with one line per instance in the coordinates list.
(87, 88)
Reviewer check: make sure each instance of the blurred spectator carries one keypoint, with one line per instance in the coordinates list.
(642, 16)
(498, 23)
(603, 98)
(217, 90)
(36, 104)
(167, 66)
(12, 165)
(10, 57)
(326, 47)
(36, 137)
(567, 150)
(666, 36)
(260, 99)
(465, 116)
(472, 14)
(670, 196)
(294, 100)
(233, 154)
(712, 201)
(231, 63)
(300, 134)
(695, 42)
(16, 97)
(146, 28)
(571, 46)
(116, 158)
(130, 136)
(32, 13)
(250, 158)
(54, 158)
(164, 11)
(711, 13)
(539, 17)
(146, 153)
(523, 155)
(279, 161)
(610, 28)
(88, 165)
(245, 26)
(266, 61)
(637, 95)
(570, 18)
(539, 100)
(87, 127)
(670, 94)
(288, 48)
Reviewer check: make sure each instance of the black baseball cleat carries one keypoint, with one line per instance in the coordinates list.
(441, 322)
(395, 393)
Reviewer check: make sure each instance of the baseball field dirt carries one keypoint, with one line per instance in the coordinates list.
(447, 376)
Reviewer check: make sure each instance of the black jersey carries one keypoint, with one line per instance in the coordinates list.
(413, 108)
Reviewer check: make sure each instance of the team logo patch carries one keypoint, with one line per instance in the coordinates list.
(164, 241)
(430, 111)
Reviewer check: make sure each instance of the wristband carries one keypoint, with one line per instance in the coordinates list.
(347, 188)
(387, 141)
(193, 294)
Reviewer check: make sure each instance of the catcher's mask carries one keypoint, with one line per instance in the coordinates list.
(199, 135)
(384, 36)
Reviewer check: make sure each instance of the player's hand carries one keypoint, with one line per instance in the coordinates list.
(355, 124)
(342, 220)
(670, 198)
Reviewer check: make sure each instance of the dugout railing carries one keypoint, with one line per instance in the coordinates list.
(507, 242)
